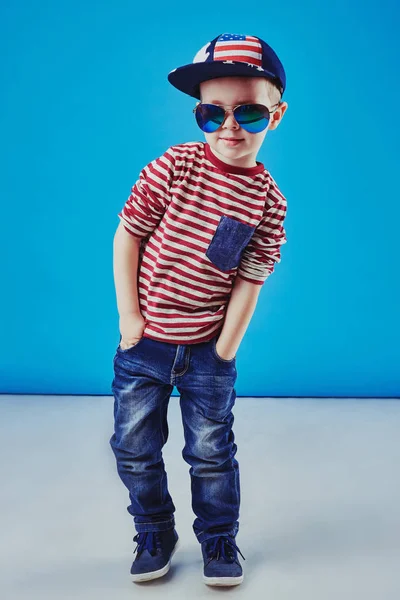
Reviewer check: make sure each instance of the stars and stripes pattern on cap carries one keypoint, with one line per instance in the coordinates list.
(243, 48)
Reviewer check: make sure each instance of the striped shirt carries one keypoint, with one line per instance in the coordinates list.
(201, 222)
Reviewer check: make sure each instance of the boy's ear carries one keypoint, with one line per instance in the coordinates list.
(277, 116)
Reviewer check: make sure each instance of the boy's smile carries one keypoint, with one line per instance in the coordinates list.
(230, 142)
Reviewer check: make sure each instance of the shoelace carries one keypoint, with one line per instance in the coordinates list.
(147, 540)
(222, 546)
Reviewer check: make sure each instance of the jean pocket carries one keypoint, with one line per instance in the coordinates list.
(214, 349)
(230, 239)
(119, 349)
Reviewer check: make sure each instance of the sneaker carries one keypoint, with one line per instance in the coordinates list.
(154, 552)
(221, 565)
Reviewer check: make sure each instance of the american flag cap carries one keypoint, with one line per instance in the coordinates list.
(227, 55)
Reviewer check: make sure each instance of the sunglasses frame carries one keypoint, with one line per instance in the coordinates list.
(233, 108)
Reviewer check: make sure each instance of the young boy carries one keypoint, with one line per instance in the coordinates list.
(198, 236)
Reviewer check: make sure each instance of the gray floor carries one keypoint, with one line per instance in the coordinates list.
(320, 502)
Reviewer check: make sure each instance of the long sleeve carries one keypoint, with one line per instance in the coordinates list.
(149, 196)
(264, 249)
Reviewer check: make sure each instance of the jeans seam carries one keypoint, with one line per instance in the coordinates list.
(155, 522)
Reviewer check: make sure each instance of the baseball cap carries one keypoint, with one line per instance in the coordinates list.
(228, 55)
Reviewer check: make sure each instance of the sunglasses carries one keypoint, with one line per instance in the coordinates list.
(252, 117)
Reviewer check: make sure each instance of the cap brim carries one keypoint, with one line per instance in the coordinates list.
(188, 78)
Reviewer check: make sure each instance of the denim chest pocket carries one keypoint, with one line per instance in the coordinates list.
(229, 241)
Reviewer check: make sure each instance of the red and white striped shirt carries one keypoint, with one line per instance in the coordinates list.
(201, 223)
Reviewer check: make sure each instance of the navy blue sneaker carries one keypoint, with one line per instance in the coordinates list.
(154, 552)
(221, 564)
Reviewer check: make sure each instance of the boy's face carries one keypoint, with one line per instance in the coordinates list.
(228, 92)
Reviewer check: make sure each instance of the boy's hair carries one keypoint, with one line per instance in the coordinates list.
(273, 93)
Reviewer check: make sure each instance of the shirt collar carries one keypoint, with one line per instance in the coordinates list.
(223, 166)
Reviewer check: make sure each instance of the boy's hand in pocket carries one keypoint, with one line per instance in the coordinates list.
(131, 327)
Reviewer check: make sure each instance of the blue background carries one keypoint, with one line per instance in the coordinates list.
(76, 75)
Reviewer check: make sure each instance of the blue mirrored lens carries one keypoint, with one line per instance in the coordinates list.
(252, 117)
(209, 117)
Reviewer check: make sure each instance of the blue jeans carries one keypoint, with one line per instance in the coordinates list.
(144, 377)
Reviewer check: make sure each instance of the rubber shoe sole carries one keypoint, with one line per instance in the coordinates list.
(222, 580)
(160, 572)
